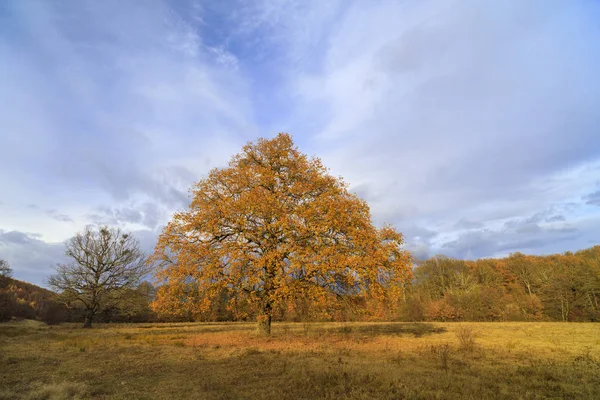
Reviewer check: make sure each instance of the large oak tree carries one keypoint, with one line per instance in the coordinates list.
(273, 227)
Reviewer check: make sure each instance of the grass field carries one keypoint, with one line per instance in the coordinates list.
(301, 361)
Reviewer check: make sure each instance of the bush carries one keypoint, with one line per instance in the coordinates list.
(54, 313)
(466, 337)
(413, 310)
(8, 305)
(442, 310)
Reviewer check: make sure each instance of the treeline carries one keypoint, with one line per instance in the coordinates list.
(22, 300)
(561, 287)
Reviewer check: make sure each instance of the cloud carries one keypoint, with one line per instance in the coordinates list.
(540, 233)
(54, 214)
(147, 214)
(464, 223)
(30, 257)
(487, 242)
(14, 237)
(593, 198)
(418, 240)
(549, 215)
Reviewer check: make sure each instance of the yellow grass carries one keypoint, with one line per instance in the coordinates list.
(301, 361)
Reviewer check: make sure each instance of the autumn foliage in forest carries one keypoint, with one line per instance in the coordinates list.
(273, 235)
(558, 287)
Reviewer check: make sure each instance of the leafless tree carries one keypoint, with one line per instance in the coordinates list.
(5, 270)
(106, 262)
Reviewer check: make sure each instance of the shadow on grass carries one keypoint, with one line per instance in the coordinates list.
(183, 327)
(416, 329)
(13, 331)
(18, 331)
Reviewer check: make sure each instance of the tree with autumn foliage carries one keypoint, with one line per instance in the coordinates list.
(558, 287)
(274, 230)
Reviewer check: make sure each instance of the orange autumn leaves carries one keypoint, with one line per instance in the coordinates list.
(273, 232)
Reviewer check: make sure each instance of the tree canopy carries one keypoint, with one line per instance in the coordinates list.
(559, 287)
(272, 232)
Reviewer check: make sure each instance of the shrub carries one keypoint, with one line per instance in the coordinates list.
(8, 305)
(54, 313)
(466, 337)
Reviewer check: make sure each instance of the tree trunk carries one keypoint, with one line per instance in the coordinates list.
(264, 321)
(264, 325)
(88, 319)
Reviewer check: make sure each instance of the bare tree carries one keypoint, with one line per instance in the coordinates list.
(5, 270)
(106, 263)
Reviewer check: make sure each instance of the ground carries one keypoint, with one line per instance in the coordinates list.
(301, 361)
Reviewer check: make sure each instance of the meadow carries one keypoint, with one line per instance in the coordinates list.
(301, 361)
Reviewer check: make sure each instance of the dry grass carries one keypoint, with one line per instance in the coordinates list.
(466, 337)
(301, 361)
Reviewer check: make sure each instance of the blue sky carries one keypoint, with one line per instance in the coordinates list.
(472, 126)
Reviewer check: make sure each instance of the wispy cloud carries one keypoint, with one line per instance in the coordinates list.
(592, 198)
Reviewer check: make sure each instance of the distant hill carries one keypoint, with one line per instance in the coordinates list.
(20, 299)
(23, 300)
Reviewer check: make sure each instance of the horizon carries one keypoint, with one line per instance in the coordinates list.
(470, 126)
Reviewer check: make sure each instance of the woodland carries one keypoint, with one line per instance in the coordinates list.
(558, 287)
